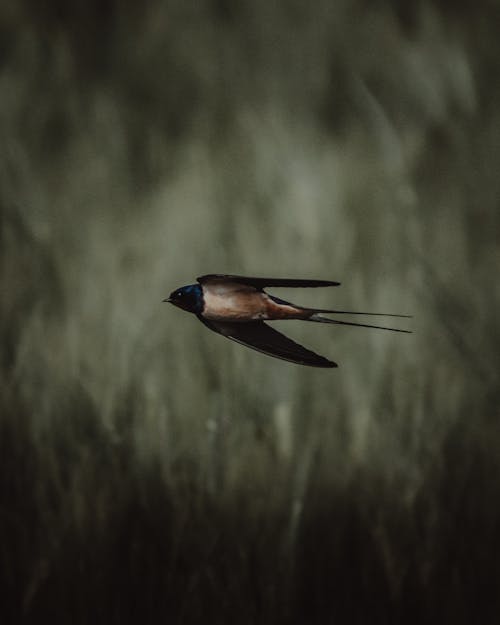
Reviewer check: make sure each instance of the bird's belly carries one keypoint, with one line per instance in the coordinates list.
(234, 307)
(243, 306)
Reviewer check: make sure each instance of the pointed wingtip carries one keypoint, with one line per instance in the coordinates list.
(328, 364)
(319, 363)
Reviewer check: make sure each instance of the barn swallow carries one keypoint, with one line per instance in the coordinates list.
(237, 306)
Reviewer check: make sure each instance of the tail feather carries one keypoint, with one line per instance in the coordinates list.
(320, 319)
(352, 312)
(278, 300)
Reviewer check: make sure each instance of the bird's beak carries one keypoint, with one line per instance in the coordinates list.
(167, 300)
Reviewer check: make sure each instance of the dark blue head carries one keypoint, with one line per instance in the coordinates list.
(188, 298)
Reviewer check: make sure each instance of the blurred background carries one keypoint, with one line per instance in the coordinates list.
(151, 471)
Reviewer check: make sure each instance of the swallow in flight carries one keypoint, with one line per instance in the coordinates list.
(237, 306)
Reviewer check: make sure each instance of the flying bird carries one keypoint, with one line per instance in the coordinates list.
(238, 306)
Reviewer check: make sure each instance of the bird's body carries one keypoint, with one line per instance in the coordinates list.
(230, 301)
(237, 306)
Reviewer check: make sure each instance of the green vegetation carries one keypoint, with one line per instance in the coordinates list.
(151, 472)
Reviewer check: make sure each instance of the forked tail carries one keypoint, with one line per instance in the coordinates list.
(319, 318)
(315, 316)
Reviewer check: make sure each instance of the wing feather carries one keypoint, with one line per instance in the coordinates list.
(261, 337)
(260, 283)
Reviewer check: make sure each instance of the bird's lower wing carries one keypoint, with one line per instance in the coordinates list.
(261, 337)
(260, 283)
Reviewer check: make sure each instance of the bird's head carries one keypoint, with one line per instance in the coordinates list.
(188, 298)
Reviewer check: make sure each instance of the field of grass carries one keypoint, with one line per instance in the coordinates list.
(152, 472)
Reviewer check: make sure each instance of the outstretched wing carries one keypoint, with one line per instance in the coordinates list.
(261, 337)
(260, 283)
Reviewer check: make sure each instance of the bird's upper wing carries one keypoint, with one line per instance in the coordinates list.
(257, 335)
(260, 283)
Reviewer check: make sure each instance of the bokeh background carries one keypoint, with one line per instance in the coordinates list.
(151, 471)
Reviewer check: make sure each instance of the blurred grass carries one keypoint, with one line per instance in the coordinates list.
(152, 471)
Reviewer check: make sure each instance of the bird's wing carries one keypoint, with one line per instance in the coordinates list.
(260, 283)
(257, 335)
